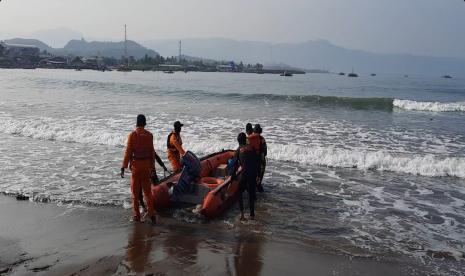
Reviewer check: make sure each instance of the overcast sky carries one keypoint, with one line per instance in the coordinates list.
(422, 27)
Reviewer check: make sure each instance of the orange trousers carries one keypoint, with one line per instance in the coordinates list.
(139, 182)
(175, 160)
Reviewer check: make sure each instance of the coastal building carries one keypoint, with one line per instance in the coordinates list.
(54, 62)
(19, 50)
(18, 55)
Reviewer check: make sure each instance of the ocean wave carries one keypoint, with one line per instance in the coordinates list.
(302, 100)
(329, 101)
(429, 106)
(427, 165)
(375, 103)
(81, 132)
(60, 130)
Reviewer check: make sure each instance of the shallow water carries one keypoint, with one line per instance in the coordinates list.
(381, 177)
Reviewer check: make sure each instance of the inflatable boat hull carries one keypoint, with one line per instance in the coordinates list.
(218, 194)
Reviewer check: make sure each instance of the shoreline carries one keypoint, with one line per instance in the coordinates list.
(46, 239)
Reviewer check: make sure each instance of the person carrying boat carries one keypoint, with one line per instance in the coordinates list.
(257, 141)
(174, 146)
(247, 159)
(141, 154)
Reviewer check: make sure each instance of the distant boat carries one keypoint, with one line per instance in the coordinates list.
(124, 68)
(373, 75)
(352, 75)
(78, 69)
(342, 74)
(447, 77)
(286, 74)
(405, 76)
(168, 72)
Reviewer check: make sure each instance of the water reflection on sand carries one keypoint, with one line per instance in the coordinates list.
(179, 250)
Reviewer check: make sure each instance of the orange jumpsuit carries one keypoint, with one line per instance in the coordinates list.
(140, 153)
(175, 150)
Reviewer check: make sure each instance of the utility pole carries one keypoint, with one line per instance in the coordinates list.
(271, 53)
(180, 51)
(126, 46)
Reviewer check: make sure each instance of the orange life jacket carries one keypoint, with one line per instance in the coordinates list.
(169, 144)
(142, 147)
(255, 141)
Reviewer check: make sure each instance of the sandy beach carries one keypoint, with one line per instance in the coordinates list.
(45, 239)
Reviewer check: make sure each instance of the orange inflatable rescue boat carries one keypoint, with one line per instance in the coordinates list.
(213, 189)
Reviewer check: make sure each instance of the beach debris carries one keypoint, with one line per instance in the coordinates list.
(22, 197)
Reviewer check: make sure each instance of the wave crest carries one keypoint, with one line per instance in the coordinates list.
(427, 165)
(429, 106)
(82, 132)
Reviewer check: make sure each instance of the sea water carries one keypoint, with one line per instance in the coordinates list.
(369, 166)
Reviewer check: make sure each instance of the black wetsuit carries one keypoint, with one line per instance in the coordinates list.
(262, 166)
(247, 158)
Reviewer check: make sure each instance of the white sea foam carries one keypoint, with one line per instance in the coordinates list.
(81, 131)
(60, 130)
(427, 165)
(429, 106)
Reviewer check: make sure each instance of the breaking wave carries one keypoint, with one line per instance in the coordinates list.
(430, 106)
(82, 132)
(424, 165)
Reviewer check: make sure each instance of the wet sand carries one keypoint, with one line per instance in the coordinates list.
(46, 239)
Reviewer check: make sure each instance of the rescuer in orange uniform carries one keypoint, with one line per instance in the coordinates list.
(174, 146)
(140, 153)
(257, 142)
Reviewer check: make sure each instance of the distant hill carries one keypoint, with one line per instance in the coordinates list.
(87, 49)
(214, 48)
(42, 46)
(310, 55)
(107, 49)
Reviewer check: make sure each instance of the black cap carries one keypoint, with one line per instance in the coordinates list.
(141, 121)
(177, 124)
(248, 127)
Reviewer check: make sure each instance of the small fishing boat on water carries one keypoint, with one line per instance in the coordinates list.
(352, 74)
(204, 182)
(168, 72)
(286, 74)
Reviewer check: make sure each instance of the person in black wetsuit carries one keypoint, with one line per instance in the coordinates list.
(247, 159)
